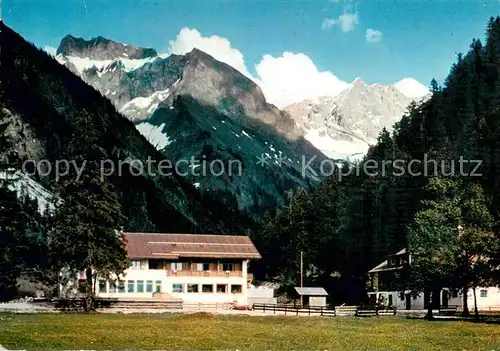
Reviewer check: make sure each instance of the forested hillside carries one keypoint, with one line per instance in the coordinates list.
(352, 221)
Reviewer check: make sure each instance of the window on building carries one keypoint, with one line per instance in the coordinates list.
(207, 288)
(156, 264)
(82, 286)
(483, 293)
(102, 286)
(130, 286)
(158, 286)
(149, 286)
(176, 266)
(192, 288)
(228, 267)
(121, 286)
(177, 288)
(221, 288)
(112, 287)
(140, 286)
(200, 267)
(136, 264)
(236, 289)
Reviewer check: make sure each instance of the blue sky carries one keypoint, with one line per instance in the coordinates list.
(418, 39)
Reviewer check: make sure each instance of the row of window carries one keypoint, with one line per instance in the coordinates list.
(207, 288)
(178, 266)
(148, 286)
(132, 286)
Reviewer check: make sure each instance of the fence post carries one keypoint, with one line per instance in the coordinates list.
(285, 310)
(309, 310)
(321, 311)
(264, 308)
(274, 309)
(296, 311)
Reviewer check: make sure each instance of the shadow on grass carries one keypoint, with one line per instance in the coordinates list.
(485, 319)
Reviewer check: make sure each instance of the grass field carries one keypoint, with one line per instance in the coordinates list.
(207, 332)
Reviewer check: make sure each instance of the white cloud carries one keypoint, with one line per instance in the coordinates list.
(411, 88)
(347, 21)
(218, 47)
(293, 77)
(373, 35)
(50, 50)
(284, 80)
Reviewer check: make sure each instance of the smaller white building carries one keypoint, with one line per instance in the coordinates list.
(195, 268)
(311, 296)
(383, 291)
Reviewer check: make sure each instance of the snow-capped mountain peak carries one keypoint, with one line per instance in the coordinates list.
(358, 81)
(411, 88)
(347, 124)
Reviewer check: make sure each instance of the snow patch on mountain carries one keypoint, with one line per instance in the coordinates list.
(85, 63)
(24, 186)
(337, 148)
(246, 134)
(141, 108)
(154, 134)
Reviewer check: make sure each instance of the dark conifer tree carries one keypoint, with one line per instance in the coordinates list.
(87, 233)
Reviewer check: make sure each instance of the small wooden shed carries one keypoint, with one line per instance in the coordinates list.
(312, 297)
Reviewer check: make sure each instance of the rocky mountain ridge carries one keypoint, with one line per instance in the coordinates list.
(100, 48)
(193, 106)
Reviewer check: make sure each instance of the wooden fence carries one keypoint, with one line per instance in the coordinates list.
(291, 310)
(206, 307)
(78, 304)
(358, 311)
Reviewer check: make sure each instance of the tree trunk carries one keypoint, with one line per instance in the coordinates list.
(465, 297)
(476, 313)
(429, 315)
(89, 298)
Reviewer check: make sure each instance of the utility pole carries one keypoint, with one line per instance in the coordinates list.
(301, 267)
(301, 275)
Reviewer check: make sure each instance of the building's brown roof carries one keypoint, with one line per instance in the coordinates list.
(173, 246)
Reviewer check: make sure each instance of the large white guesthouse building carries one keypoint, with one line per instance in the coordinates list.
(192, 267)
